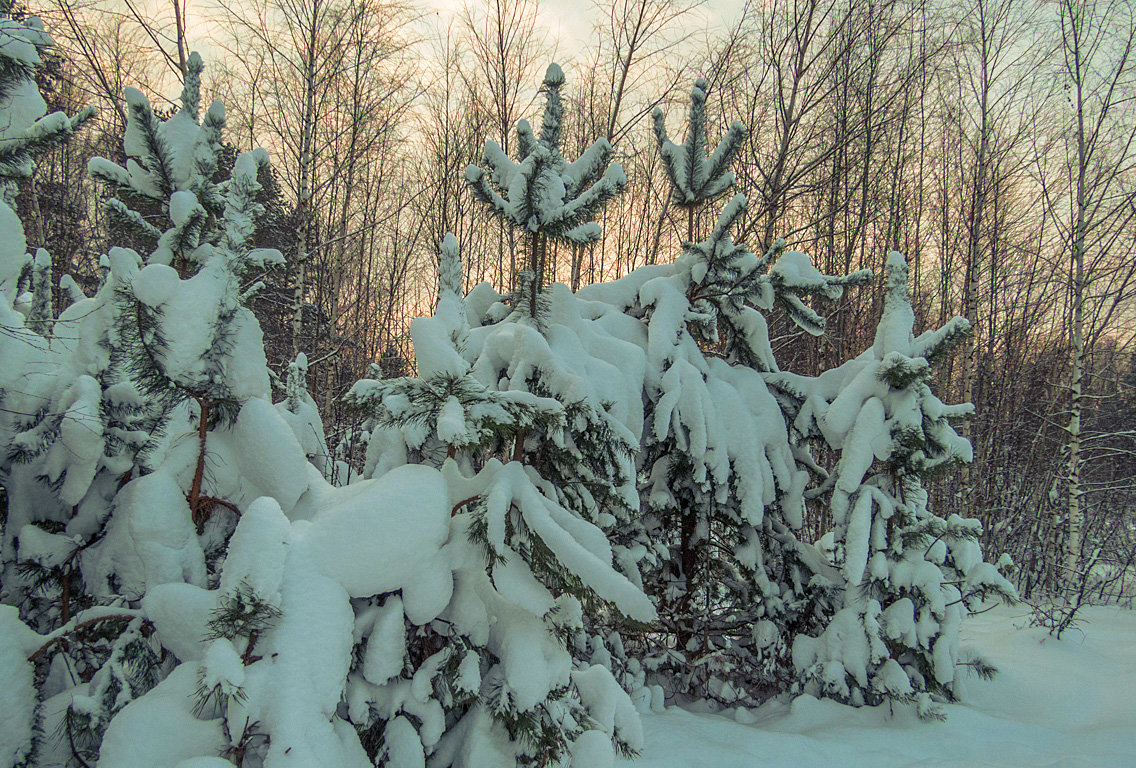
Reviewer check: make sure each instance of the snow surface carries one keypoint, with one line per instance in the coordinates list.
(1067, 703)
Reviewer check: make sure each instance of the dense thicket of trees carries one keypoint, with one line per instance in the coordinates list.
(635, 446)
(990, 141)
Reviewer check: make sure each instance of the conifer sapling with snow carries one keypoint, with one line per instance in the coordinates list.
(159, 375)
(720, 485)
(528, 563)
(536, 457)
(910, 576)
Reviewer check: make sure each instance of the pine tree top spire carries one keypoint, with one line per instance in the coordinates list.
(191, 91)
(696, 177)
(553, 120)
(172, 163)
(895, 333)
(898, 320)
(553, 76)
(450, 308)
(541, 193)
(449, 268)
(296, 385)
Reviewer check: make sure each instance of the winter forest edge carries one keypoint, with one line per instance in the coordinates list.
(586, 501)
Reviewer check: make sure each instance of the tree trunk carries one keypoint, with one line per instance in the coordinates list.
(304, 182)
(1077, 352)
(972, 286)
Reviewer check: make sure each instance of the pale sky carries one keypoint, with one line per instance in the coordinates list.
(570, 21)
(567, 21)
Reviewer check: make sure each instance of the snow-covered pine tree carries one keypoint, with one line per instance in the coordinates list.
(547, 198)
(525, 551)
(720, 484)
(706, 508)
(910, 576)
(696, 178)
(197, 352)
(196, 349)
(150, 433)
(254, 625)
(542, 194)
(32, 388)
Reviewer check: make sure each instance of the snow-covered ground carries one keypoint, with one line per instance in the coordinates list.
(1068, 703)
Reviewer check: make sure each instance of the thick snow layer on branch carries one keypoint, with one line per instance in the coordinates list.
(150, 539)
(180, 614)
(21, 41)
(190, 329)
(155, 284)
(13, 255)
(269, 459)
(579, 546)
(303, 680)
(386, 534)
(81, 438)
(609, 706)
(386, 647)
(257, 550)
(17, 689)
(434, 349)
(160, 730)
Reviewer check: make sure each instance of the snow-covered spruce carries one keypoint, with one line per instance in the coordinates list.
(193, 350)
(909, 576)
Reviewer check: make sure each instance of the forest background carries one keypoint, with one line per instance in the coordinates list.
(993, 142)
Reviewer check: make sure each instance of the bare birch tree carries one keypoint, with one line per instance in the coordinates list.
(1091, 200)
